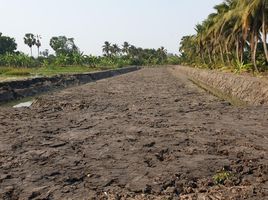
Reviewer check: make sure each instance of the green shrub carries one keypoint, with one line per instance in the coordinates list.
(221, 177)
(173, 60)
(241, 67)
(18, 60)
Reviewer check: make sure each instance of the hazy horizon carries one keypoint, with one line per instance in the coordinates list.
(143, 23)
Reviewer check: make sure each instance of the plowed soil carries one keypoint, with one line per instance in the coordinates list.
(150, 134)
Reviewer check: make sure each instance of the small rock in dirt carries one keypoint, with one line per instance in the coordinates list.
(58, 144)
(7, 193)
(147, 189)
(4, 176)
(170, 191)
(151, 144)
(188, 190)
(160, 155)
(36, 192)
(247, 170)
(239, 169)
(240, 155)
(224, 152)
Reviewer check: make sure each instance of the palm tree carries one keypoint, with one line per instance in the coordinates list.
(132, 51)
(115, 50)
(256, 15)
(199, 40)
(106, 48)
(125, 48)
(30, 40)
(264, 11)
(231, 33)
(38, 43)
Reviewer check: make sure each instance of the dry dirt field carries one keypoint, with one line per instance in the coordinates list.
(150, 134)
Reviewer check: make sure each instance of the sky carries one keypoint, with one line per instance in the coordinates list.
(143, 23)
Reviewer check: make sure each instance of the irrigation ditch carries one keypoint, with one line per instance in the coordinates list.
(20, 91)
(237, 89)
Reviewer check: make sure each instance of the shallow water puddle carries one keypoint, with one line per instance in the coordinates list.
(23, 104)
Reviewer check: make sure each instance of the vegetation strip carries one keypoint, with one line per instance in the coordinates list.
(68, 55)
(238, 90)
(234, 36)
(25, 88)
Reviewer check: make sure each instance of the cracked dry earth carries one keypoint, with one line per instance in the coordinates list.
(150, 134)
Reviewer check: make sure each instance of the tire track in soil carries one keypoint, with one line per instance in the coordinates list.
(149, 134)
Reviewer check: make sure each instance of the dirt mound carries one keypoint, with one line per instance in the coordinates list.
(144, 135)
(19, 89)
(235, 88)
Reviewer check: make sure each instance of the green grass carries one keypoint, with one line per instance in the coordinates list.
(54, 70)
(13, 73)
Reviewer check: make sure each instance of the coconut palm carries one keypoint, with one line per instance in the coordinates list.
(231, 33)
(106, 48)
(255, 22)
(125, 48)
(115, 50)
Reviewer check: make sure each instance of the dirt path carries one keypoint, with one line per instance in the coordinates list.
(149, 134)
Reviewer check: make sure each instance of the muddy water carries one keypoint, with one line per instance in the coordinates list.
(23, 104)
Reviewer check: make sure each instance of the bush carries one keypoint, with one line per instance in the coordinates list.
(18, 60)
(173, 60)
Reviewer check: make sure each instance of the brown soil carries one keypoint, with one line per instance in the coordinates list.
(239, 90)
(149, 134)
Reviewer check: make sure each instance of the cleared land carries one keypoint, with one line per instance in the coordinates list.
(150, 134)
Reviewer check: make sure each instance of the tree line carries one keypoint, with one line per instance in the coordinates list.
(68, 53)
(138, 55)
(234, 35)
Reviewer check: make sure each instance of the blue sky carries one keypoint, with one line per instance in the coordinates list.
(144, 23)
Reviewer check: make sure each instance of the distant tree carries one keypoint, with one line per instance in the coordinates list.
(45, 53)
(38, 44)
(7, 44)
(115, 50)
(63, 45)
(30, 40)
(106, 48)
(125, 48)
(133, 51)
(162, 54)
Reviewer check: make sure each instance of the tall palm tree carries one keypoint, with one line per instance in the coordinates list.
(30, 40)
(237, 27)
(38, 44)
(257, 13)
(264, 11)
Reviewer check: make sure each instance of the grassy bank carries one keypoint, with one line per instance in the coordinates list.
(15, 73)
